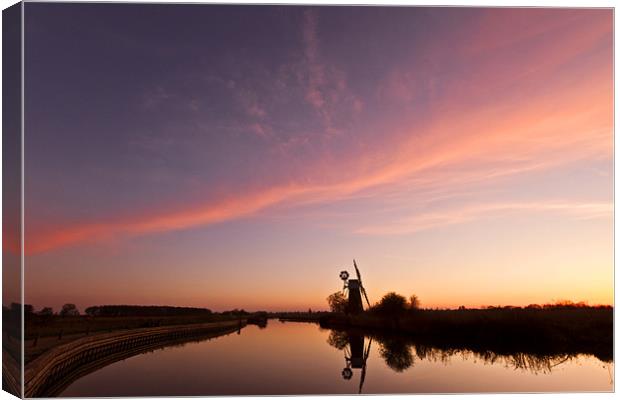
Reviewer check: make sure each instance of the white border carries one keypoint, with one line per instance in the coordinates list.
(478, 3)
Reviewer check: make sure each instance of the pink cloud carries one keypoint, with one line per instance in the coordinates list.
(315, 70)
(430, 220)
(511, 134)
(325, 85)
(529, 134)
(256, 111)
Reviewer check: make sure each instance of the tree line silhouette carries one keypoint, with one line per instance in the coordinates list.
(394, 304)
(561, 327)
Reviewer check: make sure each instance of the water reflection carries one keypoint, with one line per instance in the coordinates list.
(301, 358)
(355, 353)
(400, 353)
(396, 353)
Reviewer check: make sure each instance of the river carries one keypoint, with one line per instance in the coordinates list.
(301, 358)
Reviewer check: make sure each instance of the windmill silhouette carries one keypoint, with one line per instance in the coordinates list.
(355, 290)
(356, 357)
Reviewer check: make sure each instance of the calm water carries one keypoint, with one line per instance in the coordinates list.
(299, 358)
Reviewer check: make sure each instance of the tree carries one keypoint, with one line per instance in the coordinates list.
(46, 311)
(391, 304)
(69, 310)
(93, 311)
(414, 302)
(45, 315)
(337, 302)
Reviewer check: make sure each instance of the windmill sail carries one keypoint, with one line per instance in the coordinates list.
(363, 375)
(359, 278)
(365, 295)
(357, 271)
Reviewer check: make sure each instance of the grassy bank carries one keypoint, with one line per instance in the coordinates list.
(301, 316)
(44, 333)
(587, 330)
(82, 324)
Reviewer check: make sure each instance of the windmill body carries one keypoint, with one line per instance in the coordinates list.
(355, 297)
(356, 290)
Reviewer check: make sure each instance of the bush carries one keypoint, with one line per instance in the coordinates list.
(391, 304)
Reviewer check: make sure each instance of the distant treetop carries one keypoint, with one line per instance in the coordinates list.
(144, 311)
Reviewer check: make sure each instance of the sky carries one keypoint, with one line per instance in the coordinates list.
(242, 156)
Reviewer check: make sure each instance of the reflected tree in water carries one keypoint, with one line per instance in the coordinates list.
(536, 363)
(425, 352)
(338, 339)
(397, 353)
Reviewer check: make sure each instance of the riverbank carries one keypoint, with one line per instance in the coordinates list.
(587, 330)
(313, 318)
(44, 332)
(53, 370)
(37, 326)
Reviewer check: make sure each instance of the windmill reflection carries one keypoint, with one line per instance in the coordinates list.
(355, 353)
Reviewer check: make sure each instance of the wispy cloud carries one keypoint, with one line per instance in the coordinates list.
(510, 135)
(326, 88)
(316, 70)
(429, 220)
(155, 97)
(397, 86)
(526, 134)
(250, 103)
(208, 214)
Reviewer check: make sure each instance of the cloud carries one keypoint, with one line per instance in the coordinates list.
(256, 111)
(397, 86)
(539, 127)
(208, 214)
(249, 102)
(325, 84)
(155, 97)
(429, 220)
(315, 70)
(261, 130)
(574, 127)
